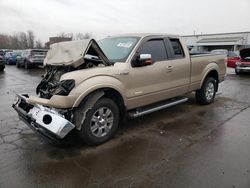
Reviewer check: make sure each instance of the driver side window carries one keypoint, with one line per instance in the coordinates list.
(156, 48)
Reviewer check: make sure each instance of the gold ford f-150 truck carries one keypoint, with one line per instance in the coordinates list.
(91, 86)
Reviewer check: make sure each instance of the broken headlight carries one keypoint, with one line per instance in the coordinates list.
(65, 87)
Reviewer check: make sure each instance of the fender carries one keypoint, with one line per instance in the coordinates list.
(210, 67)
(91, 100)
(95, 83)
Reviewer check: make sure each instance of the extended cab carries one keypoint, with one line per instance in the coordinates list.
(91, 86)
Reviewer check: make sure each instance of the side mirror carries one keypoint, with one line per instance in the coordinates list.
(143, 60)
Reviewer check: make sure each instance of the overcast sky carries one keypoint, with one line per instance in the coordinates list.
(108, 17)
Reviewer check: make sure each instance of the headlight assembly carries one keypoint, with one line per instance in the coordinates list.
(65, 87)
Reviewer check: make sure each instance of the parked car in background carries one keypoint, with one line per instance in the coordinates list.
(10, 58)
(243, 65)
(231, 59)
(19, 57)
(31, 58)
(2, 64)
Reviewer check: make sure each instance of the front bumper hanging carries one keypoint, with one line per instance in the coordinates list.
(45, 121)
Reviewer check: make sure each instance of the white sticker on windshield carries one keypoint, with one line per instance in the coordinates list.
(125, 44)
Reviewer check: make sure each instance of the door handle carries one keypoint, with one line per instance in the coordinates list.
(170, 68)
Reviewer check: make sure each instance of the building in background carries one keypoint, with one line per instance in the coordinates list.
(53, 40)
(207, 42)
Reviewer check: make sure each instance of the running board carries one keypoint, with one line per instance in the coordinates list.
(148, 110)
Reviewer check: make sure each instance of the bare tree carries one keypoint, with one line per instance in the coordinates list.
(81, 36)
(23, 39)
(87, 35)
(65, 35)
(76, 36)
(14, 42)
(39, 44)
(4, 41)
(20, 40)
(31, 38)
(62, 34)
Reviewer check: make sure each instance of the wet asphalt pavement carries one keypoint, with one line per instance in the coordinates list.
(184, 146)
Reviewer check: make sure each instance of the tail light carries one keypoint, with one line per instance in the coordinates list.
(225, 60)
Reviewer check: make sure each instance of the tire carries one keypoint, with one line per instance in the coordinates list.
(206, 94)
(96, 128)
(17, 65)
(237, 71)
(26, 65)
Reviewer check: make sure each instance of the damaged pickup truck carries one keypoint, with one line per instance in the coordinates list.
(90, 86)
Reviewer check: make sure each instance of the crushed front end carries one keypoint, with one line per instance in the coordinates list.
(48, 122)
(51, 112)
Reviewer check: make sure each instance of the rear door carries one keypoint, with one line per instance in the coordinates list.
(179, 66)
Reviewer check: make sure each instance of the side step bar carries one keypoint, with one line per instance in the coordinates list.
(150, 109)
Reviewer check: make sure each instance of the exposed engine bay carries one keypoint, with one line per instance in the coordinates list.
(51, 85)
(65, 57)
(245, 54)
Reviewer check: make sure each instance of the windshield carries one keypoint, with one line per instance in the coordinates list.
(117, 49)
(232, 54)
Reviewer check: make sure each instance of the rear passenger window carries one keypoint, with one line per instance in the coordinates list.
(156, 48)
(177, 48)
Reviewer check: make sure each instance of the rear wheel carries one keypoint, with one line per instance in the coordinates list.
(206, 94)
(101, 122)
(17, 65)
(237, 71)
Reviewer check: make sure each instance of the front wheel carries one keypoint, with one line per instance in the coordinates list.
(17, 65)
(206, 94)
(101, 122)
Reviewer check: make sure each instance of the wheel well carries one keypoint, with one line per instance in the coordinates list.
(117, 98)
(113, 95)
(214, 74)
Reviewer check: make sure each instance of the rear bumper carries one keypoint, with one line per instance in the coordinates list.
(44, 121)
(35, 62)
(243, 69)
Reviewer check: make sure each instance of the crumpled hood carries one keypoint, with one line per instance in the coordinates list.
(245, 53)
(73, 52)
